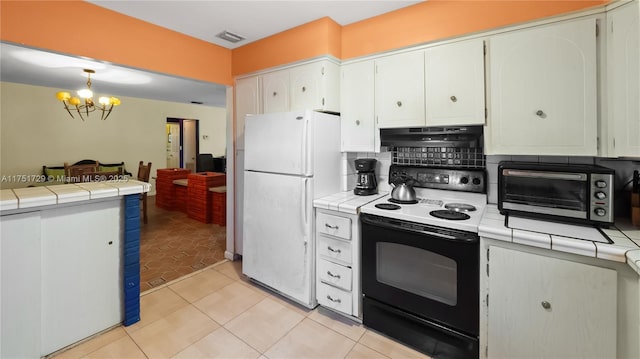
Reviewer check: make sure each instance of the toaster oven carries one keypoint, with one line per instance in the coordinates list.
(560, 192)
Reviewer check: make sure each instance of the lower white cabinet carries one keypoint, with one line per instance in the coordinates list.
(544, 307)
(338, 262)
(21, 294)
(81, 281)
(61, 277)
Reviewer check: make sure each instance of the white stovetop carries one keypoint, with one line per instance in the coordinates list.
(430, 200)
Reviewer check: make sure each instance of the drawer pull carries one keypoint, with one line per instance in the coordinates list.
(333, 300)
(337, 276)
(330, 226)
(333, 250)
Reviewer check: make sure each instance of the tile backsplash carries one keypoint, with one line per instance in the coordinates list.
(623, 167)
(349, 169)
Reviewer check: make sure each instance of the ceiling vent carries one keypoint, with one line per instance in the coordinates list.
(229, 36)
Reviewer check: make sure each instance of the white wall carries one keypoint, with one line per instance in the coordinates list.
(35, 130)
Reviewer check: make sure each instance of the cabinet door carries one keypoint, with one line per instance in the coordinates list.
(313, 86)
(624, 77)
(306, 87)
(81, 272)
(275, 91)
(357, 107)
(454, 84)
(247, 102)
(399, 90)
(20, 285)
(542, 307)
(543, 91)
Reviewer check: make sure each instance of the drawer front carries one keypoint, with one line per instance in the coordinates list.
(335, 298)
(334, 249)
(334, 225)
(334, 274)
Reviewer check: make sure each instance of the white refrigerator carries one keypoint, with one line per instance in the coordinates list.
(290, 159)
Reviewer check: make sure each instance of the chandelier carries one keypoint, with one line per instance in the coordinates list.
(84, 103)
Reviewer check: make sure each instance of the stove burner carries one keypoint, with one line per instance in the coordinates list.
(402, 202)
(449, 214)
(389, 206)
(460, 207)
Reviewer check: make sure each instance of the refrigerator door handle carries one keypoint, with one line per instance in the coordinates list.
(303, 150)
(304, 208)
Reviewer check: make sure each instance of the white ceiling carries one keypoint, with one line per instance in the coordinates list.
(202, 19)
(253, 20)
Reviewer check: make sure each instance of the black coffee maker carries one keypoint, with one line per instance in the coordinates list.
(366, 184)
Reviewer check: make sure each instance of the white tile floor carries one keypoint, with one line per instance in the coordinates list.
(217, 313)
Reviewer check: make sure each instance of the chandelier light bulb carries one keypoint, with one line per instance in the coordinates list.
(85, 93)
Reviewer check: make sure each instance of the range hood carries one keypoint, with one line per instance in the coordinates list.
(451, 136)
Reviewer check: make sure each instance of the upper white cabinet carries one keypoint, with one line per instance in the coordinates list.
(544, 307)
(247, 102)
(542, 87)
(399, 90)
(455, 84)
(314, 86)
(275, 91)
(624, 76)
(357, 108)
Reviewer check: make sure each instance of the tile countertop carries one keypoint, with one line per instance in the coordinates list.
(625, 237)
(31, 197)
(346, 202)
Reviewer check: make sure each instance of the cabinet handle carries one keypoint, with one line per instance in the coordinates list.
(453, 99)
(546, 305)
(333, 300)
(399, 103)
(275, 93)
(357, 122)
(333, 250)
(304, 89)
(337, 276)
(541, 113)
(330, 226)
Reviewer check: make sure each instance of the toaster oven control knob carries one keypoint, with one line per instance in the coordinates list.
(464, 180)
(476, 181)
(600, 212)
(600, 195)
(601, 184)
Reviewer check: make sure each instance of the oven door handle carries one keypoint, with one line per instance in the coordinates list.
(455, 236)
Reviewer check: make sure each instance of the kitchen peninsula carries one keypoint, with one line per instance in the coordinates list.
(69, 263)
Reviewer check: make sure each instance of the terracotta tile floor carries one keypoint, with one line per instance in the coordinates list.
(217, 313)
(173, 245)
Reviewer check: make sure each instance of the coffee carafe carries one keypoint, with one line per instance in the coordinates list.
(366, 183)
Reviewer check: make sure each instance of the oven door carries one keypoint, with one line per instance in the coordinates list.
(429, 272)
(545, 193)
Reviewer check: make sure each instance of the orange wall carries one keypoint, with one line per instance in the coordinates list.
(316, 38)
(435, 20)
(110, 36)
(113, 37)
(424, 22)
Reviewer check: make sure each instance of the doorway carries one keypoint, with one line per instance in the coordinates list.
(183, 143)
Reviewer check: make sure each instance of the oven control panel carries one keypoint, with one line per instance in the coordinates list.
(468, 180)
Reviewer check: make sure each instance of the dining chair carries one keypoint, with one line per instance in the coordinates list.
(80, 172)
(143, 175)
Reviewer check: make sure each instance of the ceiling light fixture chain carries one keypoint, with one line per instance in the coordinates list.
(106, 103)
